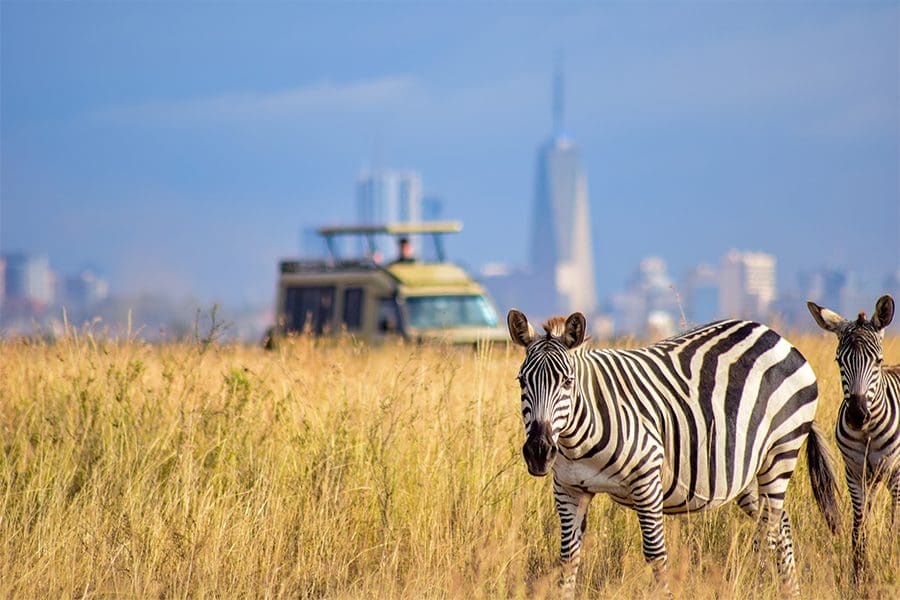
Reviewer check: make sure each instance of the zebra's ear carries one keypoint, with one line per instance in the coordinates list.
(575, 328)
(826, 319)
(884, 312)
(520, 329)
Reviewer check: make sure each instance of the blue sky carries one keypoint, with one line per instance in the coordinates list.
(179, 147)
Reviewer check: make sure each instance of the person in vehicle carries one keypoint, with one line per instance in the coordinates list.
(405, 252)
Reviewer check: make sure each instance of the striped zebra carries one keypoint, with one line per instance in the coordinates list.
(686, 424)
(868, 424)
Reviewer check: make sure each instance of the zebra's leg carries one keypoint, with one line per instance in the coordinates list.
(894, 486)
(748, 501)
(772, 479)
(763, 529)
(774, 526)
(647, 495)
(786, 564)
(572, 507)
(859, 499)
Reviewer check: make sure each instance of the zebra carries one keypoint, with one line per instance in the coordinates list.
(868, 423)
(683, 425)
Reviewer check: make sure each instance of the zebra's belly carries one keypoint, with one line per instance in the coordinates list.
(584, 475)
(587, 476)
(681, 499)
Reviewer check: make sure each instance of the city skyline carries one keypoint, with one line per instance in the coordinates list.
(702, 129)
(653, 304)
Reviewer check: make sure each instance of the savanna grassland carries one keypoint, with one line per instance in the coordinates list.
(337, 470)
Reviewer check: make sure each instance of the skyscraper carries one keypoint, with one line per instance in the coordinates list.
(702, 294)
(388, 196)
(29, 282)
(561, 248)
(747, 285)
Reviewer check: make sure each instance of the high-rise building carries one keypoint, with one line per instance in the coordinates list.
(832, 287)
(388, 196)
(562, 259)
(747, 284)
(702, 294)
(29, 282)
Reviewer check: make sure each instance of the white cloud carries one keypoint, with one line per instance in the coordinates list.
(270, 106)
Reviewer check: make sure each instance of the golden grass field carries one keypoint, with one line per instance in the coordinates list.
(337, 470)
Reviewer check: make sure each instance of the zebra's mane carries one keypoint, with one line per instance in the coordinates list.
(555, 326)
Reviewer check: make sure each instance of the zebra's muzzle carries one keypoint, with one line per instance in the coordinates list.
(539, 451)
(857, 411)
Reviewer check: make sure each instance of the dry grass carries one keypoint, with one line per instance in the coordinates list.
(334, 470)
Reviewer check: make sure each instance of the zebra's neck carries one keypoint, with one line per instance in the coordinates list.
(599, 408)
(888, 392)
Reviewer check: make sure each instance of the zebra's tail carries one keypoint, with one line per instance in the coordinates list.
(821, 475)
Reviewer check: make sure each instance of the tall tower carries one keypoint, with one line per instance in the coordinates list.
(561, 249)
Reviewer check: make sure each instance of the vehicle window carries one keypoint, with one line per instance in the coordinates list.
(441, 312)
(308, 309)
(353, 301)
(388, 316)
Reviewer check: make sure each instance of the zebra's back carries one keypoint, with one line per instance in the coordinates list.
(716, 400)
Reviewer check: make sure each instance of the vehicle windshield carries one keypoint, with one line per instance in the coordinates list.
(443, 312)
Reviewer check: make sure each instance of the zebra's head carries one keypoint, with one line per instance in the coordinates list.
(547, 378)
(859, 355)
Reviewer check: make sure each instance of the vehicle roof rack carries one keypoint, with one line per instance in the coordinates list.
(394, 228)
(433, 228)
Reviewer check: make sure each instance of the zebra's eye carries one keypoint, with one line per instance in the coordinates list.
(567, 382)
(879, 360)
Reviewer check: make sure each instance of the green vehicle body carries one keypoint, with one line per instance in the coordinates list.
(420, 301)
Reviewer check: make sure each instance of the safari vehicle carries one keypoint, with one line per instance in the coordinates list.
(375, 300)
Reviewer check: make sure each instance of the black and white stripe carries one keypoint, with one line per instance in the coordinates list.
(716, 414)
(868, 425)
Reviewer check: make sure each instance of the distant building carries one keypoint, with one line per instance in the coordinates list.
(388, 196)
(84, 290)
(747, 286)
(649, 307)
(562, 260)
(837, 289)
(629, 312)
(702, 295)
(509, 287)
(28, 281)
(824, 286)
